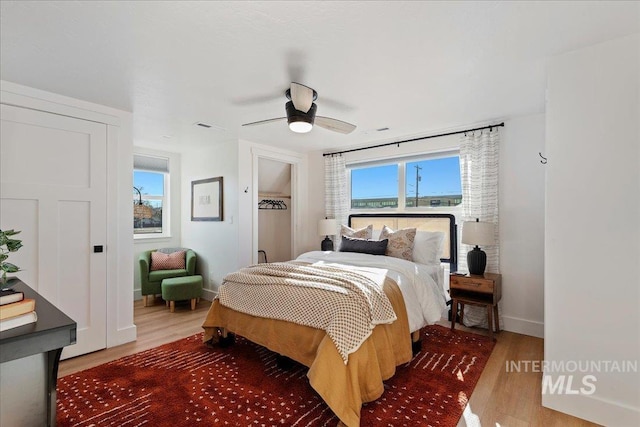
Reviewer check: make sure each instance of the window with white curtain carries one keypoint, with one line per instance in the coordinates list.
(150, 196)
(429, 182)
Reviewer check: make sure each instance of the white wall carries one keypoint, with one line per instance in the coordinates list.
(592, 248)
(225, 246)
(175, 214)
(521, 205)
(215, 242)
(249, 155)
(521, 210)
(310, 239)
(119, 245)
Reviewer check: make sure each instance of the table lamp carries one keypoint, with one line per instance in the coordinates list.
(327, 227)
(477, 233)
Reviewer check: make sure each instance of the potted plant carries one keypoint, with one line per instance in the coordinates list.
(7, 244)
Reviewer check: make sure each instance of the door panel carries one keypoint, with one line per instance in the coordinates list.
(22, 214)
(53, 187)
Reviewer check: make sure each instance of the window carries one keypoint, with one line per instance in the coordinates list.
(150, 196)
(433, 182)
(374, 187)
(423, 183)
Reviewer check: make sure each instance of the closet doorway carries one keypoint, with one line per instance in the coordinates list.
(274, 210)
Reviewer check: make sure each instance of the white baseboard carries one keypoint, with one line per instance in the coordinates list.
(209, 295)
(594, 409)
(523, 326)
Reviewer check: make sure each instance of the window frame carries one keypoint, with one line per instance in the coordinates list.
(402, 195)
(165, 198)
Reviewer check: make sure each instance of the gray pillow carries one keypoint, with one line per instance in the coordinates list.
(171, 250)
(364, 246)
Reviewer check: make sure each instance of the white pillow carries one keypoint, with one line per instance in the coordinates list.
(427, 247)
(362, 233)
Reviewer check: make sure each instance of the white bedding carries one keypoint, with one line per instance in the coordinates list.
(420, 284)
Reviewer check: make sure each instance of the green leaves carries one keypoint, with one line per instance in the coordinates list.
(7, 267)
(11, 244)
(14, 245)
(7, 244)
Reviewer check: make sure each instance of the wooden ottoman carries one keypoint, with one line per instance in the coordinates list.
(182, 288)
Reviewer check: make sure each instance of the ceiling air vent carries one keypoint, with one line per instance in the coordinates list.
(209, 126)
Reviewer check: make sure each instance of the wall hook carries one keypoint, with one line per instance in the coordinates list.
(544, 159)
(246, 189)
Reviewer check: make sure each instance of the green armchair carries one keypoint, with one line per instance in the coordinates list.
(151, 281)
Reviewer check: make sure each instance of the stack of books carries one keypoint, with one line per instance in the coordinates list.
(15, 309)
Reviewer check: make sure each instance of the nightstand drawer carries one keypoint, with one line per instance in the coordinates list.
(475, 284)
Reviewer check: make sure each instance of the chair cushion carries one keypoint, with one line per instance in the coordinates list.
(181, 288)
(157, 276)
(172, 261)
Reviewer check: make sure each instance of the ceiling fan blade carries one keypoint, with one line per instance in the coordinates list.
(301, 96)
(262, 122)
(259, 99)
(334, 124)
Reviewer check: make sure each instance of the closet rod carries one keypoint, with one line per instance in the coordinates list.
(414, 139)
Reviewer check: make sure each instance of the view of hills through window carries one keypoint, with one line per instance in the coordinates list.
(427, 183)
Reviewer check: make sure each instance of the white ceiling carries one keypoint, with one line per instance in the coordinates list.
(415, 67)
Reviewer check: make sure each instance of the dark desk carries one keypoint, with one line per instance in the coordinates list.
(22, 352)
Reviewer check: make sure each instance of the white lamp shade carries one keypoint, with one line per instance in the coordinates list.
(327, 227)
(478, 233)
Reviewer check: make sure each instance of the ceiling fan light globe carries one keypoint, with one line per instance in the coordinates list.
(299, 121)
(300, 127)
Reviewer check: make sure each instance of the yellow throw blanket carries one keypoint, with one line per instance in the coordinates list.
(343, 387)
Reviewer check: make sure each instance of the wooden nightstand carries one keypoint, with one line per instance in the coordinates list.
(485, 290)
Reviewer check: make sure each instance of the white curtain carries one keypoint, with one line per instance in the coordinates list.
(336, 199)
(479, 152)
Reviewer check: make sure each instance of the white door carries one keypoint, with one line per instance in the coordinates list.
(53, 188)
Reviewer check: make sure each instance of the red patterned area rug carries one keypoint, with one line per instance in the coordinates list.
(186, 383)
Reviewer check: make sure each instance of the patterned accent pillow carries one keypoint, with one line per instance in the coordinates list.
(172, 261)
(363, 233)
(400, 242)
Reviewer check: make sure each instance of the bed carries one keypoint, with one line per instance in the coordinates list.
(345, 377)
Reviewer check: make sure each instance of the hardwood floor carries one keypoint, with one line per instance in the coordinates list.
(500, 398)
(512, 399)
(156, 326)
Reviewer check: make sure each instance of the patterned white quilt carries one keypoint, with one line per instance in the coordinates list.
(346, 304)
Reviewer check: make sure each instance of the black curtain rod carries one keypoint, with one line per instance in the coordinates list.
(414, 139)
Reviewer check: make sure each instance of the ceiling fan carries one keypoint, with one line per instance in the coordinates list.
(301, 112)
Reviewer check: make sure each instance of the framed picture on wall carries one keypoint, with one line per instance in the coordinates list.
(206, 199)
